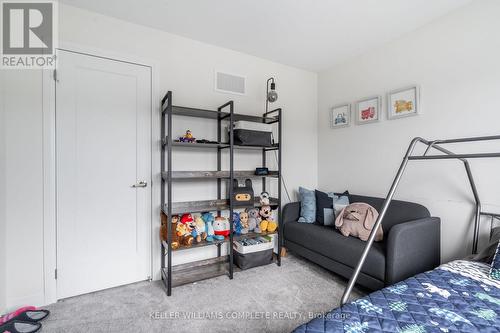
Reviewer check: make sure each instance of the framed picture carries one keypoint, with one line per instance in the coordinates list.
(368, 110)
(403, 102)
(340, 116)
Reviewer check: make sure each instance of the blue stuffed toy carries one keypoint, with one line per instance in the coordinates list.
(209, 219)
(237, 223)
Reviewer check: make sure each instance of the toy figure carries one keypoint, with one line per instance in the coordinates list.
(187, 219)
(169, 227)
(264, 198)
(267, 223)
(244, 222)
(236, 223)
(184, 234)
(188, 137)
(221, 226)
(209, 219)
(199, 229)
(253, 220)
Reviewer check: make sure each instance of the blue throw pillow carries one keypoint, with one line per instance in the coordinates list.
(307, 205)
(339, 203)
(495, 265)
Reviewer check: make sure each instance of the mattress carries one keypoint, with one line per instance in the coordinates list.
(455, 297)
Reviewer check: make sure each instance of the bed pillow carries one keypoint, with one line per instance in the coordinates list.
(340, 201)
(307, 205)
(487, 254)
(495, 265)
(324, 208)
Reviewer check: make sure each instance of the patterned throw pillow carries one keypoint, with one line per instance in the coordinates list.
(495, 265)
(307, 205)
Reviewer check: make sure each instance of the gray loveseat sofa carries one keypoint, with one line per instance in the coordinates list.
(411, 243)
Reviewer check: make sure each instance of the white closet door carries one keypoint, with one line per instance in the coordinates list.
(103, 147)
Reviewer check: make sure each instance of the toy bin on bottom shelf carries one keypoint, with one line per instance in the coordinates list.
(253, 251)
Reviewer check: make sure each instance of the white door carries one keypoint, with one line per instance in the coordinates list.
(103, 150)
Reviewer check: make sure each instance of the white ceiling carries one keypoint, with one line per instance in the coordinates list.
(309, 34)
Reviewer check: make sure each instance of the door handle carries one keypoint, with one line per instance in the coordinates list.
(142, 183)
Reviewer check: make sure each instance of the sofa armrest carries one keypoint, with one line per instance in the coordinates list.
(291, 212)
(412, 247)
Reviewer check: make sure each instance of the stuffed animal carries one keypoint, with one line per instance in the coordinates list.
(253, 220)
(236, 223)
(358, 220)
(268, 223)
(199, 229)
(188, 137)
(184, 233)
(187, 219)
(169, 227)
(208, 218)
(264, 198)
(244, 222)
(221, 226)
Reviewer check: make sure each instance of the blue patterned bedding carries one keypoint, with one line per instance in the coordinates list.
(455, 297)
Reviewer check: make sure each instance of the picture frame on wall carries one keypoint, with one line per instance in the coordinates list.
(404, 102)
(368, 110)
(340, 116)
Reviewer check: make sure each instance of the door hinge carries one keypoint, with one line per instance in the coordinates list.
(55, 75)
(55, 273)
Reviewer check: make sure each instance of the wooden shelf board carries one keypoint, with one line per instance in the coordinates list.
(180, 175)
(196, 245)
(197, 271)
(210, 206)
(213, 114)
(222, 145)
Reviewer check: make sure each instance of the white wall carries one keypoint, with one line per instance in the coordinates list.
(23, 201)
(184, 66)
(455, 61)
(2, 195)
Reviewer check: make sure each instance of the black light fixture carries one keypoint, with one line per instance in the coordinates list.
(271, 94)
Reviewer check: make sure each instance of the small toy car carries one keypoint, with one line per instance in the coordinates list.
(368, 113)
(402, 105)
(340, 119)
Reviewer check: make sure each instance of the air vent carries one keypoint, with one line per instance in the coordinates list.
(229, 83)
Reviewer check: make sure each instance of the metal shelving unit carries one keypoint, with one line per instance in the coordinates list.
(221, 265)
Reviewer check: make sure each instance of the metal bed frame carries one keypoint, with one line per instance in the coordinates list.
(447, 154)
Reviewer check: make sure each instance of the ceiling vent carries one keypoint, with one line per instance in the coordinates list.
(229, 83)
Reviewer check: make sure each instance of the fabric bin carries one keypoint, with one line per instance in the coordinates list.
(254, 259)
(247, 133)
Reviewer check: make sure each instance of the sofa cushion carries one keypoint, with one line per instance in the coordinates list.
(330, 243)
(307, 205)
(398, 212)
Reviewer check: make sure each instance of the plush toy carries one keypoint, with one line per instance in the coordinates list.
(209, 221)
(188, 137)
(268, 223)
(187, 219)
(184, 233)
(236, 223)
(358, 220)
(244, 222)
(253, 220)
(264, 199)
(221, 226)
(199, 229)
(169, 227)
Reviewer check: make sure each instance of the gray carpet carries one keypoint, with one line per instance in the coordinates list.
(273, 299)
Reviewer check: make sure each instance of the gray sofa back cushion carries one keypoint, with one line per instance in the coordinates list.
(398, 212)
